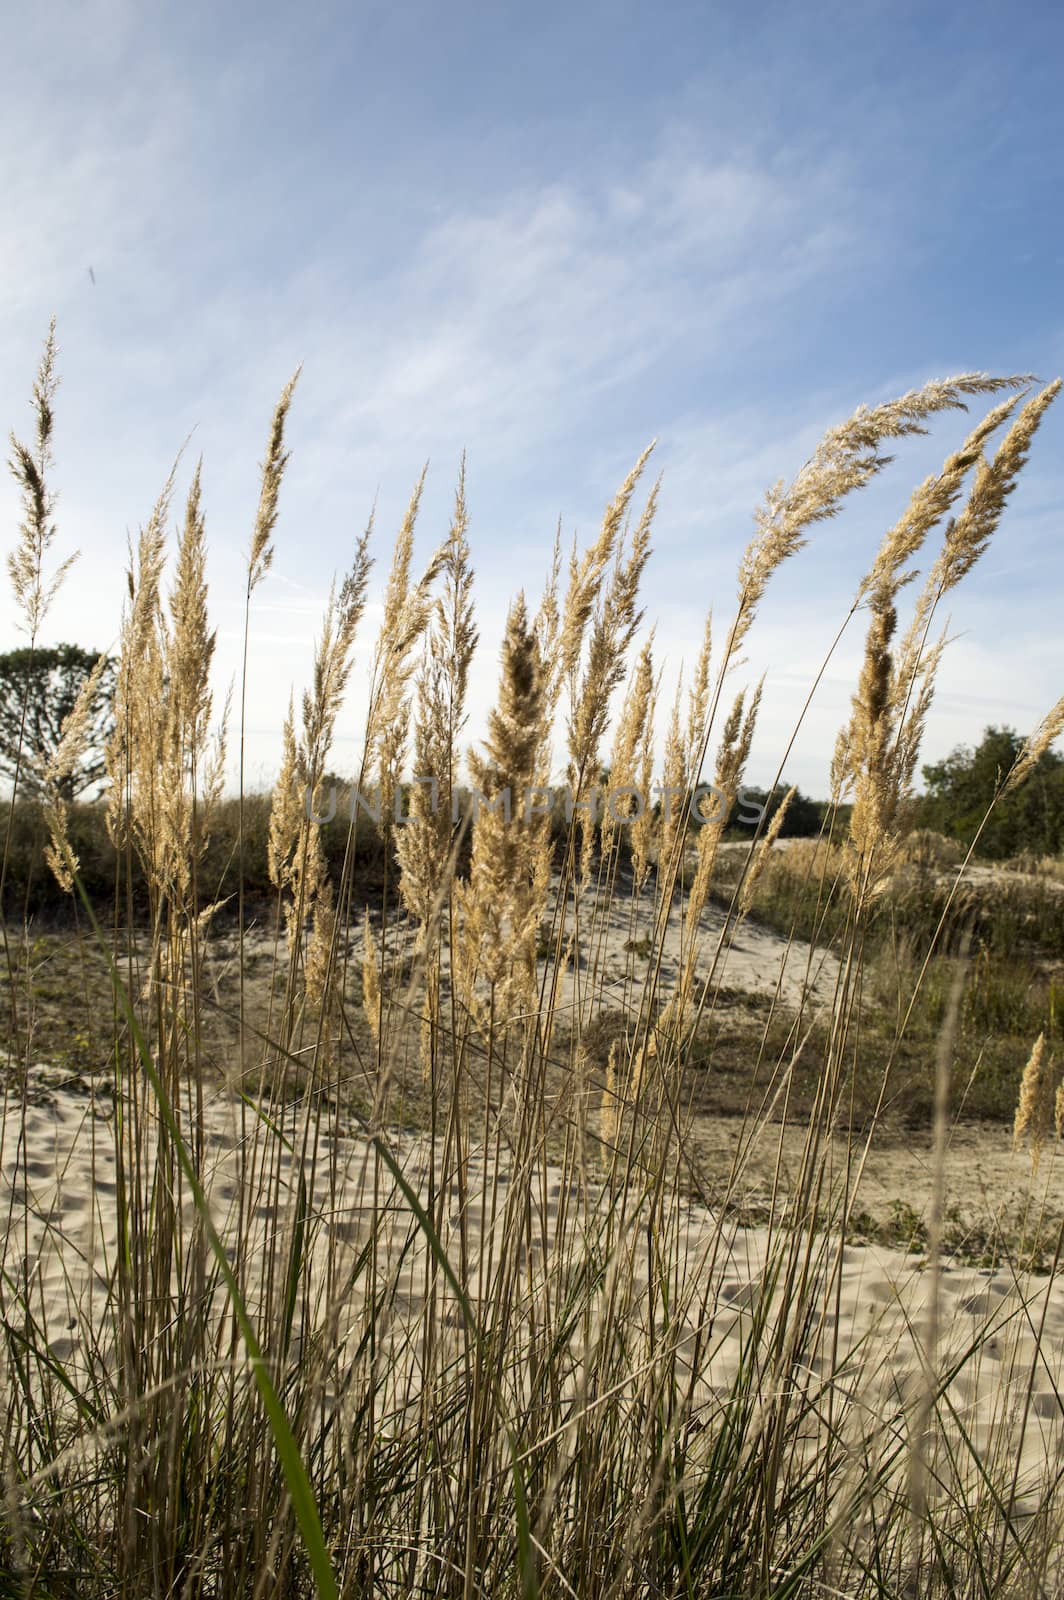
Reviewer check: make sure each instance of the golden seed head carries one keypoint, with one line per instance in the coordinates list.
(261, 553)
(1036, 1106)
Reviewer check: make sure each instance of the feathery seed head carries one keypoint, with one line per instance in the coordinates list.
(424, 846)
(59, 853)
(286, 809)
(847, 458)
(371, 989)
(585, 576)
(629, 740)
(1047, 732)
(1035, 1110)
(761, 854)
(261, 552)
(33, 590)
(503, 901)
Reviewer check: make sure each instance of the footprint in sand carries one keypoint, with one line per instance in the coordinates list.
(978, 1305)
(747, 1296)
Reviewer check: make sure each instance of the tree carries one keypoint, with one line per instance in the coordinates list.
(803, 820)
(46, 684)
(960, 788)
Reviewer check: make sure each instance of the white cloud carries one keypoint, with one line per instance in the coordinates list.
(551, 327)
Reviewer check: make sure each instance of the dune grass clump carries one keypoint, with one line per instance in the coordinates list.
(368, 1250)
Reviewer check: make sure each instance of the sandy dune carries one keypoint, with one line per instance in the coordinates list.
(747, 957)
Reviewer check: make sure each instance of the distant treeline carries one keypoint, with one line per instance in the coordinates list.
(958, 795)
(959, 791)
(30, 887)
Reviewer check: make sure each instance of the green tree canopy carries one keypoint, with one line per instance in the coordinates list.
(960, 788)
(803, 819)
(38, 689)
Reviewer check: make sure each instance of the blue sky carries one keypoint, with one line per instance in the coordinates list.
(545, 235)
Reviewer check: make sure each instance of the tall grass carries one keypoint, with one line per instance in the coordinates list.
(385, 1284)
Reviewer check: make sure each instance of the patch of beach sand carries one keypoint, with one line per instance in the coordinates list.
(616, 940)
(871, 1305)
(612, 938)
(988, 1186)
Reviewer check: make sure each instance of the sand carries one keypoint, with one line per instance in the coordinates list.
(58, 1194)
